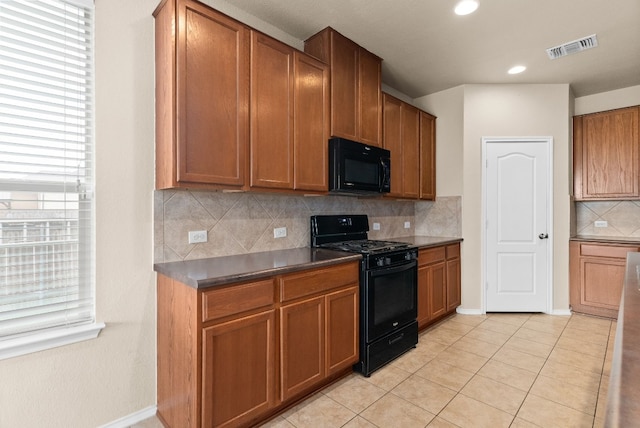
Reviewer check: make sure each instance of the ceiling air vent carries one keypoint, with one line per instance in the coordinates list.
(573, 47)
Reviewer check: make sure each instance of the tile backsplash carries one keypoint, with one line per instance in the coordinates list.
(622, 217)
(238, 223)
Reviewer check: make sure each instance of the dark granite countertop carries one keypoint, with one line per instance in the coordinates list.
(209, 272)
(204, 273)
(426, 241)
(623, 400)
(606, 239)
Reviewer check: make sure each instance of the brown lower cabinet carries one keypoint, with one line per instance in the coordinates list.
(596, 276)
(235, 355)
(438, 283)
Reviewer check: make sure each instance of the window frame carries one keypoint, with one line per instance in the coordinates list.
(50, 337)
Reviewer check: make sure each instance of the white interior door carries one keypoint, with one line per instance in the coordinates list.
(517, 202)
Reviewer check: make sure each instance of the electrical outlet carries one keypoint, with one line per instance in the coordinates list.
(407, 224)
(601, 223)
(280, 232)
(376, 226)
(197, 236)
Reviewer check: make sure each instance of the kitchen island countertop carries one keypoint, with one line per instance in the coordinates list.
(623, 399)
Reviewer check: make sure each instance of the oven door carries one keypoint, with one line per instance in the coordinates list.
(390, 299)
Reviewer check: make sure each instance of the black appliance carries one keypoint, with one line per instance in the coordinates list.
(388, 287)
(358, 168)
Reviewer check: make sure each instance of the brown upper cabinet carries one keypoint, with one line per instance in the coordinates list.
(236, 109)
(401, 134)
(289, 117)
(356, 100)
(311, 124)
(409, 133)
(202, 97)
(427, 156)
(606, 155)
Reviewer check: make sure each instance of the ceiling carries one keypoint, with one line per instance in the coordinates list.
(426, 48)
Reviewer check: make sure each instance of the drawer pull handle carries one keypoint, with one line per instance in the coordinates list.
(395, 339)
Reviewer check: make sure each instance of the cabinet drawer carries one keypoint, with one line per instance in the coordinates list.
(619, 252)
(315, 281)
(431, 255)
(453, 251)
(236, 299)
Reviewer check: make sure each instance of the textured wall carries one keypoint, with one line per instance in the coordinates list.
(623, 218)
(243, 222)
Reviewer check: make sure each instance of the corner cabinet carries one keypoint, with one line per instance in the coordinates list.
(401, 134)
(234, 355)
(438, 283)
(356, 81)
(606, 155)
(596, 276)
(409, 134)
(202, 97)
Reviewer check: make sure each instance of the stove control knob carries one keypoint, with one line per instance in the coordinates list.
(380, 261)
(407, 256)
(387, 261)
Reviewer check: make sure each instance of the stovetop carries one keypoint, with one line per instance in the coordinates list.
(365, 246)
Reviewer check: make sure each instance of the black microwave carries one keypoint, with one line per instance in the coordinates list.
(358, 168)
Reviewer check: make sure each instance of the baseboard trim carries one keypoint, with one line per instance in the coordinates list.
(133, 418)
(565, 312)
(463, 311)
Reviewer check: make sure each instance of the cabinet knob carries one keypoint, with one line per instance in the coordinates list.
(543, 236)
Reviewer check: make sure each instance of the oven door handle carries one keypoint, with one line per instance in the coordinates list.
(394, 269)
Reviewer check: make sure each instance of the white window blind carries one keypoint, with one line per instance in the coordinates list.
(46, 165)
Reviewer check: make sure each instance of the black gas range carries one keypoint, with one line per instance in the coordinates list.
(388, 287)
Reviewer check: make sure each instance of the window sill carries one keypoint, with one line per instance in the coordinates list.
(51, 339)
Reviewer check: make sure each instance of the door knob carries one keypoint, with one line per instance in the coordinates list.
(543, 236)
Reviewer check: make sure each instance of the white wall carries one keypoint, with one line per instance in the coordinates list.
(448, 107)
(515, 110)
(604, 101)
(470, 112)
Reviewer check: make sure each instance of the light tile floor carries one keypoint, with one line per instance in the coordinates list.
(498, 370)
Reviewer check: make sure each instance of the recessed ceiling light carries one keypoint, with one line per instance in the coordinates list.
(517, 69)
(465, 7)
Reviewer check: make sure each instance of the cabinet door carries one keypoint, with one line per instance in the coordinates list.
(342, 329)
(437, 289)
(427, 156)
(238, 368)
(606, 155)
(392, 141)
(453, 284)
(212, 122)
(602, 281)
(410, 122)
(344, 87)
(271, 113)
(311, 123)
(302, 362)
(370, 106)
